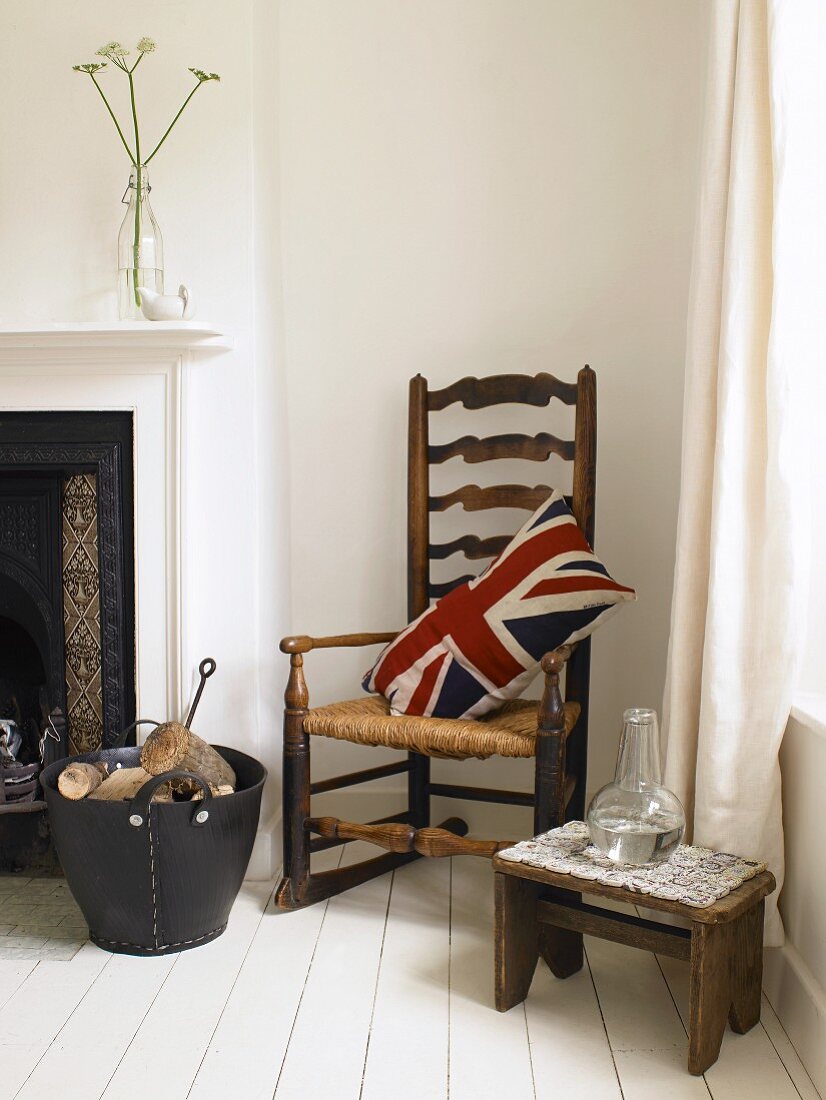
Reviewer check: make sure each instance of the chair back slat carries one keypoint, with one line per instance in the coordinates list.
(535, 448)
(500, 389)
(480, 393)
(471, 546)
(473, 498)
(436, 591)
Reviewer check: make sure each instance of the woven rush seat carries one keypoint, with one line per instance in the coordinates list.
(510, 731)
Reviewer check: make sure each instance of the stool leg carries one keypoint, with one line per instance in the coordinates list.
(515, 939)
(561, 948)
(746, 970)
(710, 994)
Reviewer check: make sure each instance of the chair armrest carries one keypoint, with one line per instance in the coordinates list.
(551, 716)
(556, 659)
(303, 643)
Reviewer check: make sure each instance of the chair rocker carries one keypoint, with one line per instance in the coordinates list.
(554, 732)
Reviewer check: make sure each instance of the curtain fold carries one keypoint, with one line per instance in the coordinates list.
(740, 580)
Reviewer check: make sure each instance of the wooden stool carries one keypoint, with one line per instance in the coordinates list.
(538, 914)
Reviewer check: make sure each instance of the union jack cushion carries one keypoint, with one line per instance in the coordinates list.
(481, 644)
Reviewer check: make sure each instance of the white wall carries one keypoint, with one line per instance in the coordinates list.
(469, 188)
(62, 175)
(465, 187)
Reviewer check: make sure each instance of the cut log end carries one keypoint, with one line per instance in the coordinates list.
(79, 779)
(165, 748)
(172, 746)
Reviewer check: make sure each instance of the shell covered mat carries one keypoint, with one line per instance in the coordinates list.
(692, 876)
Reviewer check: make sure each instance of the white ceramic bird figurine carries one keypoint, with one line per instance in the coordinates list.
(166, 307)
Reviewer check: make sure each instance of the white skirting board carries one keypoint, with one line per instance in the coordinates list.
(799, 1001)
(266, 852)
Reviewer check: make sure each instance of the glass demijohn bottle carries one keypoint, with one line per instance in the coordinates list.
(140, 247)
(635, 819)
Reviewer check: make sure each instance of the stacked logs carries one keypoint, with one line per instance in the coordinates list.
(170, 746)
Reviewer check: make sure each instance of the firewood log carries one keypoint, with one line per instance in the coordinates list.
(172, 745)
(125, 783)
(217, 792)
(79, 779)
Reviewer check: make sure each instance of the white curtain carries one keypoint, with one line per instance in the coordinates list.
(754, 339)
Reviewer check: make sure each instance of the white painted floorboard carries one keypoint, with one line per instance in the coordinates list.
(411, 1009)
(489, 1051)
(253, 1034)
(383, 993)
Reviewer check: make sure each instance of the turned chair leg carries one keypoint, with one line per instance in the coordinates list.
(561, 948)
(549, 774)
(296, 786)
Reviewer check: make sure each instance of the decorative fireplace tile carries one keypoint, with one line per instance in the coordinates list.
(20, 529)
(81, 613)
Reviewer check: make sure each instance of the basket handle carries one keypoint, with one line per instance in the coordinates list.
(121, 739)
(139, 806)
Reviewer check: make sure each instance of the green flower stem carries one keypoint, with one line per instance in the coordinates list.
(174, 120)
(112, 116)
(136, 247)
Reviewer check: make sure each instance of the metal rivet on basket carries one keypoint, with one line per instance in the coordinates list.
(202, 816)
(136, 820)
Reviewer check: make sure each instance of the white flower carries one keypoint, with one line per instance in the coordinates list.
(112, 49)
(146, 45)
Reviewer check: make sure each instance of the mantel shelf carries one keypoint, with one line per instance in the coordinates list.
(174, 335)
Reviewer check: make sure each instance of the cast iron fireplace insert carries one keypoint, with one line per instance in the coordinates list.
(67, 603)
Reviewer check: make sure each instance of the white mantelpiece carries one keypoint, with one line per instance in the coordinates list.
(140, 367)
(184, 336)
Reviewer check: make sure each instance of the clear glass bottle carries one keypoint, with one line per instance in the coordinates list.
(635, 819)
(140, 247)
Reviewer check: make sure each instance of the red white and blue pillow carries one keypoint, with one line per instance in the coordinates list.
(480, 645)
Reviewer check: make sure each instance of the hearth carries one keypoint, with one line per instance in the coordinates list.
(67, 614)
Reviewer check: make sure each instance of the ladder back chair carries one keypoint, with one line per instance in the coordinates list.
(554, 732)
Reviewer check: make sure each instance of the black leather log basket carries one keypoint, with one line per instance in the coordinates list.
(155, 877)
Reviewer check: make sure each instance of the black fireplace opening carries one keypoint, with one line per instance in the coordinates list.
(24, 708)
(67, 604)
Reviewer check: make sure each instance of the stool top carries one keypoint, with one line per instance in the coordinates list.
(703, 885)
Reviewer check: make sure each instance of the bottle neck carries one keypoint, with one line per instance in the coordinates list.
(638, 761)
(138, 184)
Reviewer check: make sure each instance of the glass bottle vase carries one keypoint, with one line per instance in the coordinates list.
(635, 819)
(140, 247)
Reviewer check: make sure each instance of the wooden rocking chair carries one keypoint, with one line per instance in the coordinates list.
(553, 732)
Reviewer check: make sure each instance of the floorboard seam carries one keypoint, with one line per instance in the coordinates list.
(20, 984)
(530, 1054)
(782, 1059)
(376, 986)
(231, 988)
(60, 1030)
(128, 1046)
(604, 1025)
(304, 988)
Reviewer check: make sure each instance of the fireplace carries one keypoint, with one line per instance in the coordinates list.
(67, 603)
